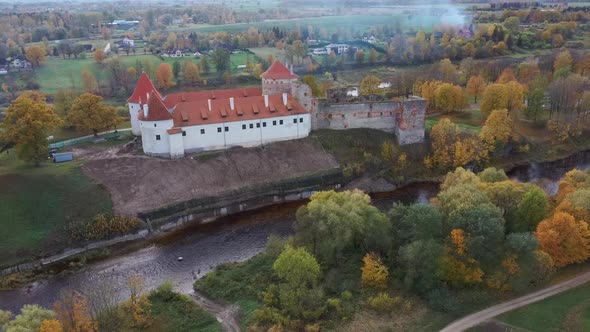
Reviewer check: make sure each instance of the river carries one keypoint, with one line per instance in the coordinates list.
(232, 238)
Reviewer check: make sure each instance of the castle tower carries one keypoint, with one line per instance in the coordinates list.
(277, 79)
(143, 88)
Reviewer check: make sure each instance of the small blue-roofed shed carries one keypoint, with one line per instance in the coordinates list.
(63, 157)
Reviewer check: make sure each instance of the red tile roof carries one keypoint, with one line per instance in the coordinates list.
(176, 98)
(157, 111)
(278, 71)
(142, 89)
(248, 108)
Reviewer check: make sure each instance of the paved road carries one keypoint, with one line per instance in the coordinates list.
(482, 316)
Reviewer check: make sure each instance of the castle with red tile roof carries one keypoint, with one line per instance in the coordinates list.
(171, 126)
(186, 122)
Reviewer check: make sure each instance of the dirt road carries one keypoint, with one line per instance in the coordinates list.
(227, 316)
(482, 316)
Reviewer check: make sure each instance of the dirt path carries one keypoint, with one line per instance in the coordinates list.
(491, 312)
(227, 316)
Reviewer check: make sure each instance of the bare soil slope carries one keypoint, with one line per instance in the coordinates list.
(139, 183)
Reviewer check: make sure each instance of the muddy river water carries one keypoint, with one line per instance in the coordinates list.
(233, 238)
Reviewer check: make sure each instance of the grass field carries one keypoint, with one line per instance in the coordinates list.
(37, 202)
(569, 311)
(470, 120)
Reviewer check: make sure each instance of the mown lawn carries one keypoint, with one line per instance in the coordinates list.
(36, 203)
(567, 311)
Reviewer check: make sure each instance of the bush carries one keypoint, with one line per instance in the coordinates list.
(103, 227)
(383, 302)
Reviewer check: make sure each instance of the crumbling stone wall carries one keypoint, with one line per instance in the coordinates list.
(405, 119)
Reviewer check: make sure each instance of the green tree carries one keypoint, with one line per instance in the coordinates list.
(420, 263)
(89, 113)
(29, 320)
(27, 123)
(62, 102)
(530, 211)
(310, 80)
(176, 68)
(297, 267)
(333, 223)
(204, 64)
(492, 174)
(220, 58)
(416, 222)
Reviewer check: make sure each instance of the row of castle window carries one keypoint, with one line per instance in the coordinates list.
(220, 129)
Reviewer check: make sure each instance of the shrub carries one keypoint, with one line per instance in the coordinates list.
(103, 227)
(383, 302)
(443, 300)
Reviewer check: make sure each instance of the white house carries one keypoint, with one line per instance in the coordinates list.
(337, 48)
(182, 123)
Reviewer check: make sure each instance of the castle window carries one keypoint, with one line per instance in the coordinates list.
(264, 124)
(243, 127)
(218, 129)
(330, 116)
(183, 133)
(258, 125)
(202, 131)
(294, 120)
(157, 137)
(274, 123)
(281, 122)
(343, 116)
(251, 125)
(381, 113)
(226, 128)
(155, 125)
(300, 120)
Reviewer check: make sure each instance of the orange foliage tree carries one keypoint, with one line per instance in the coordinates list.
(566, 240)
(374, 272)
(475, 86)
(457, 268)
(73, 313)
(164, 76)
(51, 325)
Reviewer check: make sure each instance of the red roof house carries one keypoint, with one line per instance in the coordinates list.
(278, 71)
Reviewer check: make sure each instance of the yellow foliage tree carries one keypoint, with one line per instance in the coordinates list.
(374, 272)
(370, 85)
(27, 122)
(564, 238)
(428, 91)
(89, 81)
(164, 76)
(563, 60)
(498, 127)
(35, 54)
(457, 268)
(89, 113)
(449, 98)
(495, 97)
(138, 306)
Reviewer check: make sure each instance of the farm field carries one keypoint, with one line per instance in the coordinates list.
(38, 202)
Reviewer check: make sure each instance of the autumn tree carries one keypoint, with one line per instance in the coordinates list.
(89, 113)
(374, 273)
(563, 63)
(447, 70)
(310, 80)
(457, 268)
(449, 98)
(164, 76)
(370, 85)
(506, 76)
(498, 96)
(73, 313)
(498, 128)
(51, 325)
(373, 56)
(99, 56)
(62, 102)
(89, 81)
(138, 305)
(27, 123)
(450, 147)
(190, 72)
(475, 86)
(428, 91)
(564, 238)
(359, 56)
(36, 55)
